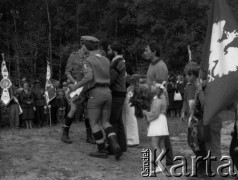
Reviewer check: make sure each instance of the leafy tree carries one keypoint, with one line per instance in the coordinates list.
(174, 24)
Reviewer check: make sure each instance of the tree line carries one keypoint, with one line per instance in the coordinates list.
(32, 32)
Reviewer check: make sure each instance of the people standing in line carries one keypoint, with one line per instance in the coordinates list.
(39, 99)
(28, 105)
(158, 128)
(158, 72)
(118, 88)
(97, 78)
(74, 73)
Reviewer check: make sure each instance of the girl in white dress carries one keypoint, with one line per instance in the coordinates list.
(158, 127)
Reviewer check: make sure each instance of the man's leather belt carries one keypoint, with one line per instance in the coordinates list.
(101, 85)
(98, 85)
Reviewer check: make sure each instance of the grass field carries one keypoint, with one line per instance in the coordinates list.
(39, 154)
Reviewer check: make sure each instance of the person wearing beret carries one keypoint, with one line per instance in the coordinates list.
(74, 73)
(97, 78)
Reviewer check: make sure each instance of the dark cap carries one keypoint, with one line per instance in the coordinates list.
(90, 38)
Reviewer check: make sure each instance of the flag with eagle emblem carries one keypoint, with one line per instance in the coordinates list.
(220, 60)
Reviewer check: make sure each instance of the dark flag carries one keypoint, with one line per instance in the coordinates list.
(220, 60)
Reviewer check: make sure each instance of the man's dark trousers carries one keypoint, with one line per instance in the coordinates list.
(169, 156)
(53, 111)
(116, 121)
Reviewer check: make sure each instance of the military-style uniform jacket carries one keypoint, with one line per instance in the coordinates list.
(96, 71)
(75, 65)
(39, 96)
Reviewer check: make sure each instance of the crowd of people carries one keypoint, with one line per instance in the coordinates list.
(27, 107)
(105, 102)
(175, 88)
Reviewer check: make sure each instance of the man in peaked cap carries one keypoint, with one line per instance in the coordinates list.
(74, 73)
(90, 39)
(97, 79)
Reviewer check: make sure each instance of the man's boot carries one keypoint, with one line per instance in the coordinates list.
(89, 138)
(114, 146)
(108, 148)
(65, 136)
(101, 153)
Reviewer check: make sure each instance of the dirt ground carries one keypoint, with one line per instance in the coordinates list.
(38, 154)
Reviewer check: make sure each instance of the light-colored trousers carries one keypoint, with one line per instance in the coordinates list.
(130, 124)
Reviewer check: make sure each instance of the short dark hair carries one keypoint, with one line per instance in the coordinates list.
(91, 46)
(154, 47)
(192, 68)
(116, 46)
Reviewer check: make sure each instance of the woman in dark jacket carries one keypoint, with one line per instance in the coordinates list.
(27, 104)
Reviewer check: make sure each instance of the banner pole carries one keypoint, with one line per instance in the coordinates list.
(50, 113)
(189, 53)
(2, 56)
